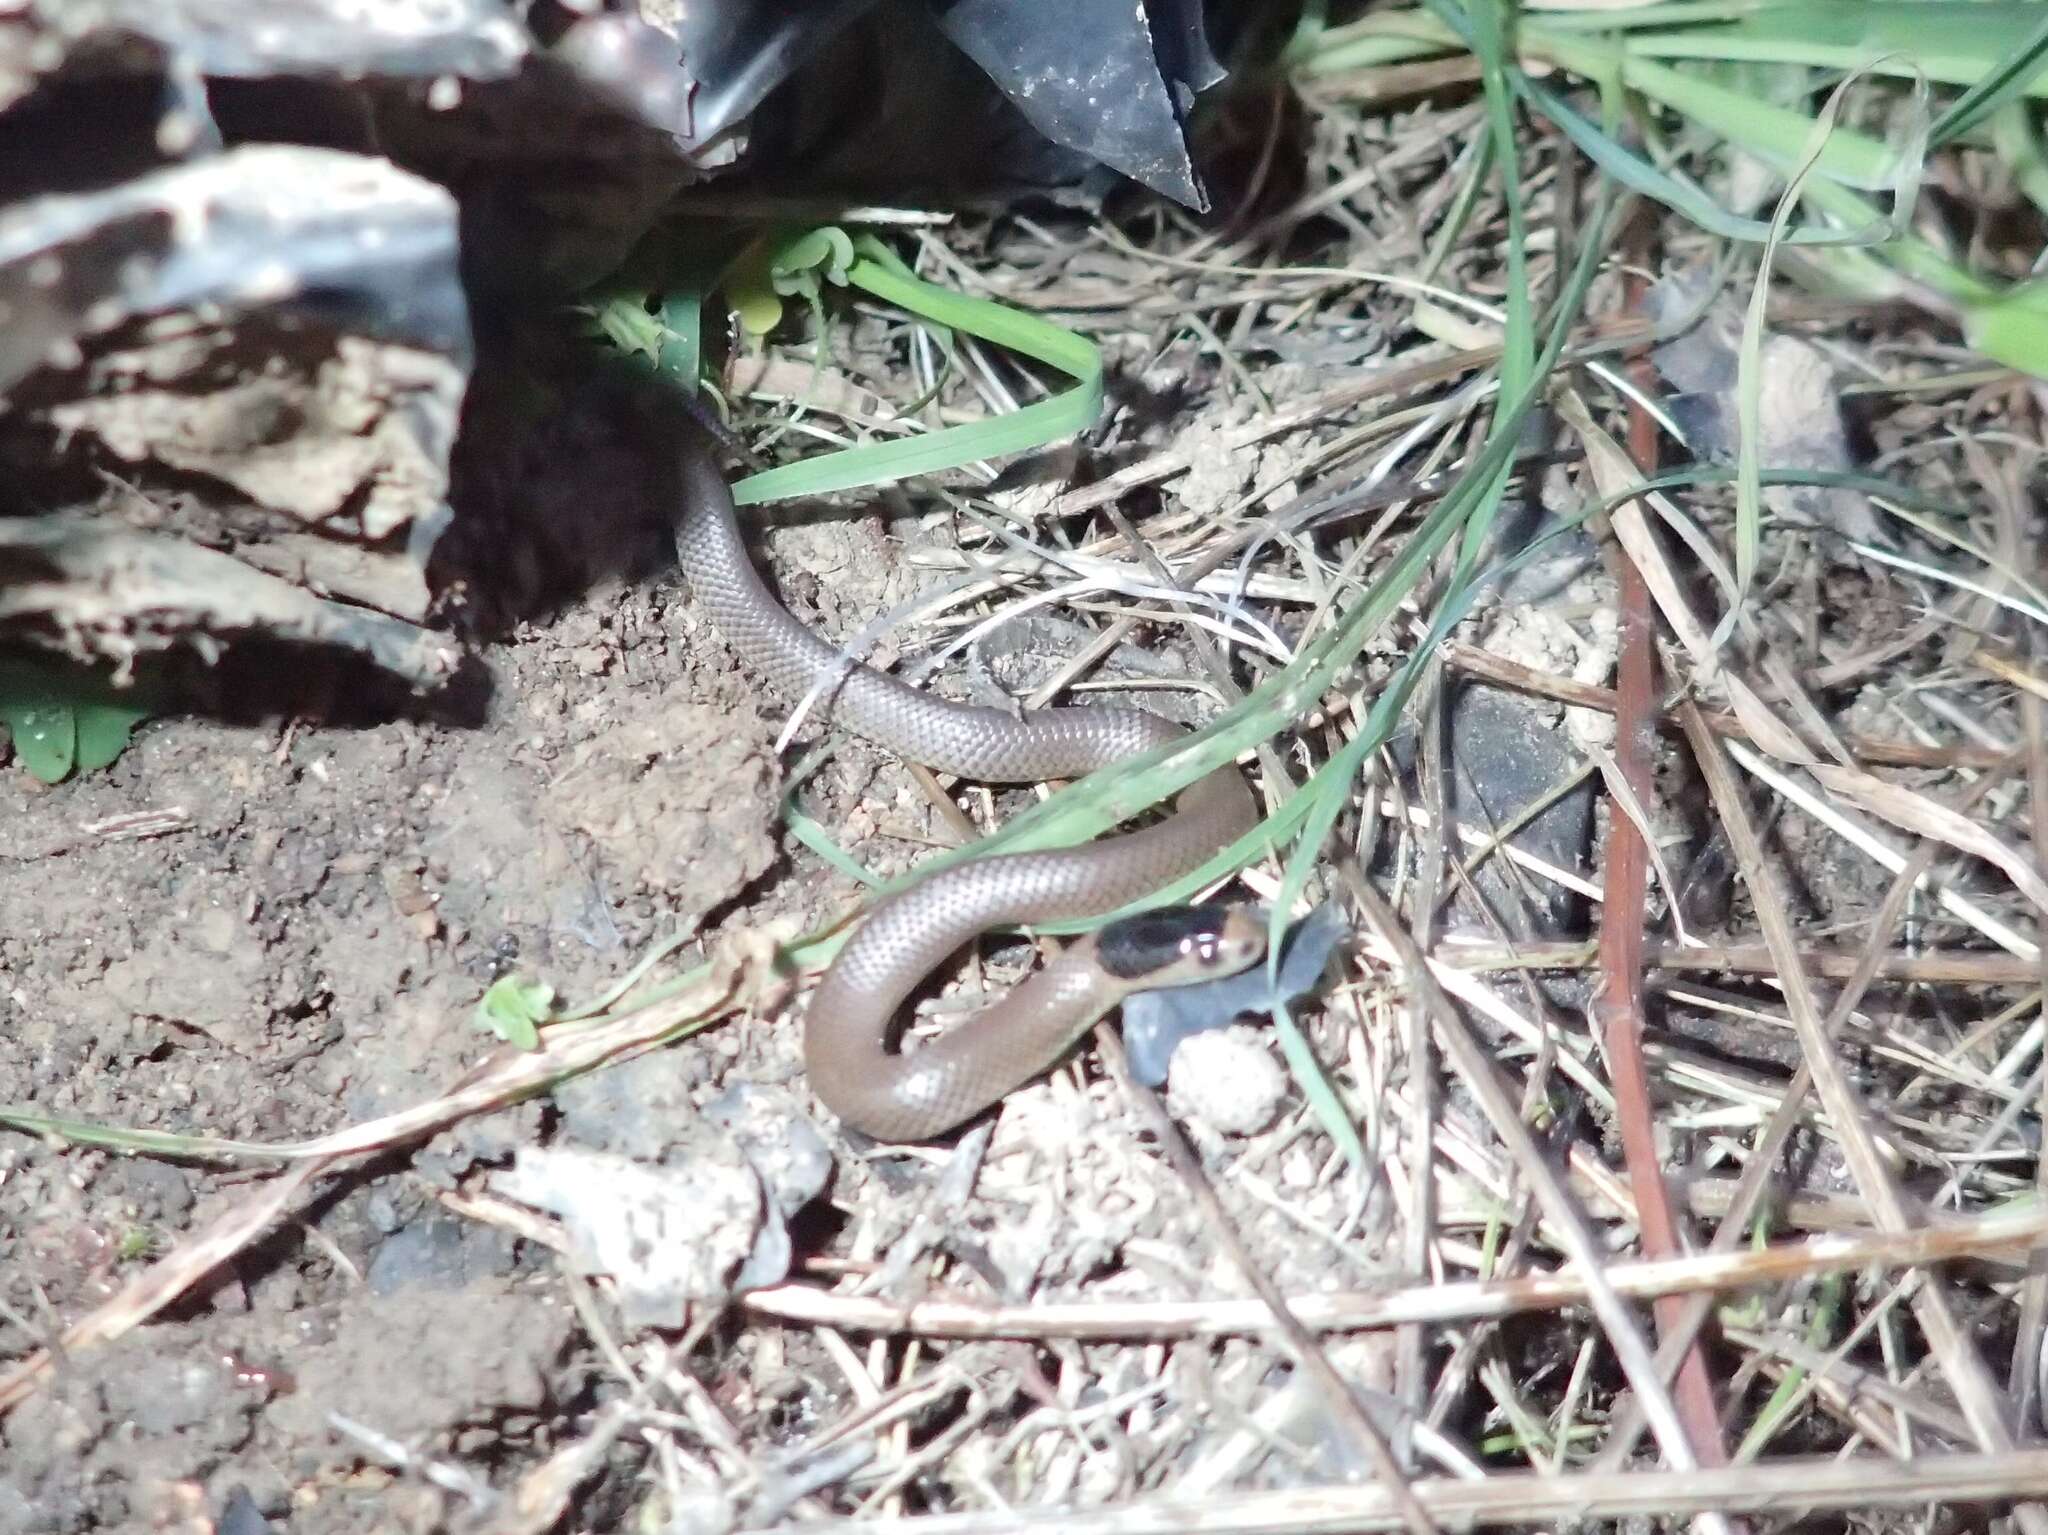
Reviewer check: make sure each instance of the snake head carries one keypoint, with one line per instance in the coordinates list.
(1177, 946)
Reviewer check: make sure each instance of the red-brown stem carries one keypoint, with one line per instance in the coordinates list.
(1618, 1005)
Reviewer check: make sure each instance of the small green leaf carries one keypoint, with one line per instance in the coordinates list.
(38, 710)
(785, 264)
(65, 718)
(622, 319)
(45, 737)
(755, 306)
(797, 265)
(514, 1008)
(103, 731)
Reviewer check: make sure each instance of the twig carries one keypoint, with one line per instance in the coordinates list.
(1510, 1499)
(1618, 1004)
(1963, 967)
(1475, 1300)
(506, 1077)
(1763, 1157)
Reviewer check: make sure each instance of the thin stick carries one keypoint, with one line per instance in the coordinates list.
(1618, 1004)
(1963, 967)
(166, 1279)
(1510, 1499)
(1477, 1300)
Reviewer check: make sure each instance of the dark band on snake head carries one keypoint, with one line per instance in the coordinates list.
(1137, 948)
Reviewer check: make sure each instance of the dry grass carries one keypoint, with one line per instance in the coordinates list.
(1844, 1070)
(1763, 1196)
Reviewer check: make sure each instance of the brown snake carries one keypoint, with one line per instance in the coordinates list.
(851, 1025)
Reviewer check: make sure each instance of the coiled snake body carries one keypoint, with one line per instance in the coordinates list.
(850, 1027)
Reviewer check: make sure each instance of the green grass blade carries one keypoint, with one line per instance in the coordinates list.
(2006, 324)
(1476, 491)
(1642, 18)
(2012, 327)
(1682, 197)
(1518, 345)
(809, 832)
(1778, 134)
(1820, 1328)
(1955, 42)
(1104, 799)
(163, 1143)
(2006, 81)
(875, 271)
(1390, 37)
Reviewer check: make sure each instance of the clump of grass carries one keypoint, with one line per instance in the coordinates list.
(1742, 75)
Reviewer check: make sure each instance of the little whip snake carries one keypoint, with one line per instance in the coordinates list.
(850, 1027)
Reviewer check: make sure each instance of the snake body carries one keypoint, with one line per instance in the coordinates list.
(850, 1028)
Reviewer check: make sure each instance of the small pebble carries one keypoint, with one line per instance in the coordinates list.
(1228, 1080)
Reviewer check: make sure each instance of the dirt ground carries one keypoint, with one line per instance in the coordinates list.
(302, 952)
(268, 933)
(296, 944)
